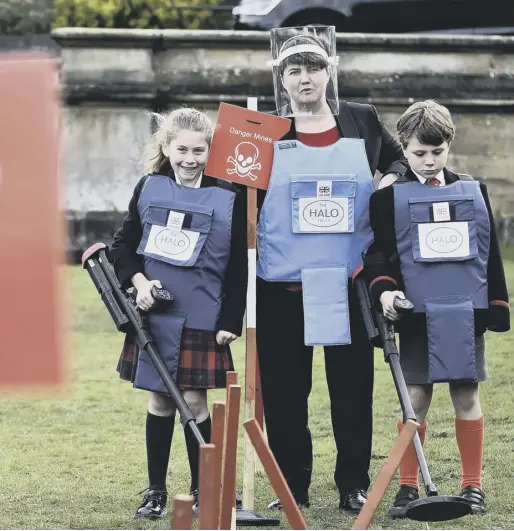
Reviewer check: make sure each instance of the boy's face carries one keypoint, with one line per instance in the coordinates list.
(425, 159)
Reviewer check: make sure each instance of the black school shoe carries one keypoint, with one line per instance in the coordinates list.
(405, 495)
(153, 505)
(353, 501)
(302, 502)
(194, 493)
(476, 498)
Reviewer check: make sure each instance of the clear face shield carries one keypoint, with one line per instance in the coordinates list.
(305, 70)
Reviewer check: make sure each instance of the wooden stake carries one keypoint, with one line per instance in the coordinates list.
(231, 380)
(259, 412)
(275, 475)
(218, 439)
(251, 344)
(182, 512)
(386, 475)
(228, 494)
(207, 502)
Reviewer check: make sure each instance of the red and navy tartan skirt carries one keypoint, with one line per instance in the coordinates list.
(203, 364)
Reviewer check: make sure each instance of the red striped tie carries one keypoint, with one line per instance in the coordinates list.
(433, 182)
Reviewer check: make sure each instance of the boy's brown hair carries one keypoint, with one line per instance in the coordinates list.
(428, 121)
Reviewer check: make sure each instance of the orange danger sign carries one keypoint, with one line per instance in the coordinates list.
(242, 145)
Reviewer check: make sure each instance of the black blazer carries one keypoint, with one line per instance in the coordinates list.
(127, 262)
(381, 262)
(361, 120)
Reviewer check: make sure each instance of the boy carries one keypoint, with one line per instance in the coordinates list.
(435, 243)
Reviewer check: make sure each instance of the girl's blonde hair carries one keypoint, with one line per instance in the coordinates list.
(168, 126)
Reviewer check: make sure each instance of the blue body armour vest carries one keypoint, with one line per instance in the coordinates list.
(443, 237)
(314, 227)
(186, 245)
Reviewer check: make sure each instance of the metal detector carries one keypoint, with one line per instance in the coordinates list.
(128, 318)
(432, 508)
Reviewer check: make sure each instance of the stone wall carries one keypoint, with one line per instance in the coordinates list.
(111, 78)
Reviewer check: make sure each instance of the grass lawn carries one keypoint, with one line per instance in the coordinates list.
(77, 459)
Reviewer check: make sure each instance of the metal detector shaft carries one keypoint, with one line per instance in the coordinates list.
(112, 292)
(408, 413)
(186, 416)
(386, 333)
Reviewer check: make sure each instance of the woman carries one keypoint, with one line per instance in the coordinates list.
(185, 232)
(308, 252)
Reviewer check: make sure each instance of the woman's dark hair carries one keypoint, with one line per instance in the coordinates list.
(303, 58)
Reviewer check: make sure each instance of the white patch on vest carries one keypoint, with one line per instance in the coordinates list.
(441, 211)
(324, 189)
(323, 215)
(444, 240)
(175, 220)
(168, 243)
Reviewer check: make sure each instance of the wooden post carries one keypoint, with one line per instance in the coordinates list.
(259, 408)
(386, 475)
(259, 413)
(182, 512)
(218, 439)
(274, 474)
(228, 494)
(207, 502)
(252, 383)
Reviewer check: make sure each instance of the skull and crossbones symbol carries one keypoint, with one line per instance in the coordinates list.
(245, 160)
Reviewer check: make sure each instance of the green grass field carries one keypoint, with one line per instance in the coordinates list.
(77, 459)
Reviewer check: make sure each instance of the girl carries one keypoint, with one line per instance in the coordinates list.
(185, 232)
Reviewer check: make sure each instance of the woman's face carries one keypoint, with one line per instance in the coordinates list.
(188, 153)
(305, 84)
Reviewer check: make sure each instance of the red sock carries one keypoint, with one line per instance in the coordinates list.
(409, 466)
(470, 440)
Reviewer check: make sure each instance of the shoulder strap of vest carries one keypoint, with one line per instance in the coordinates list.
(462, 176)
(347, 122)
(226, 185)
(401, 180)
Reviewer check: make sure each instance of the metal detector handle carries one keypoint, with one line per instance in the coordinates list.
(161, 294)
(385, 330)
(367, 310)
(403, 306)
(97, 260)
(104, 288)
